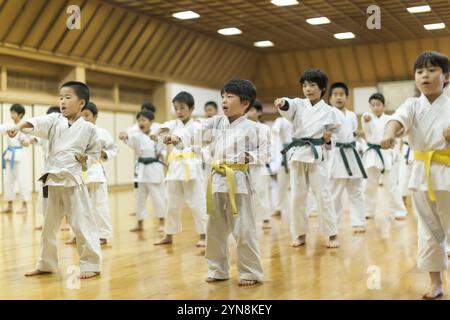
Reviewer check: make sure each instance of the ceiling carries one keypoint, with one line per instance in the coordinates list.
(286, 26)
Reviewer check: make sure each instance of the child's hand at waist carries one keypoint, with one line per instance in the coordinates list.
(81, 158)
(327, 136)
(447, 134)
(123, 136)
(171, 139)
(388, 141)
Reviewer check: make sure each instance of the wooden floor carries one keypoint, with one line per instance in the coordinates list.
(135, 269)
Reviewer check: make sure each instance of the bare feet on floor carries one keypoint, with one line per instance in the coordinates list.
(166, 240)
(333, 242)
(434, 293)
(212, 280)
(300, 241)
(358, 229)
(313, 214)
(139, 227)
(22, 210)
(65, 227)
(7, 210)
(36, 273)
(88, 274)
(202, 242)
(103, 241)
(247, 283)
(400, 218)
(72, 241)
(276, 213)
(38, 228)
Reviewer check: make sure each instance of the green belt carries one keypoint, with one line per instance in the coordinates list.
(303, 142)
(149, 160)
(284, 161)
(377, 149)
(352, 146)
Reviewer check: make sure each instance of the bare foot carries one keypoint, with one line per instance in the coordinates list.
(212, 280)
(266, 224)
(276, 213)
(36, 273)
(359, 229)
(333, 242)
(247, 283)
(166, 240)
(7, 210)
(400, 218)
(300, 241)
(200, 243)
(369, 217)
(65, 228)
(38, 228)
(139, 226)
(313, 214)
(103, 241)
(434, 293)
(72, 241)
(22, 210)
(88, 274)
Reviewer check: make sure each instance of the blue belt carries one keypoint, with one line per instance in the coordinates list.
(13, 152)
(408, 151)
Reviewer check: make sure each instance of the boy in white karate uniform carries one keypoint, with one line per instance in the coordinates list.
(96, 178)
(15, 165)
(426, 121)
(149, 171)
(311, 118)
(236, 143)
(347, 171)
(259, 173)
(185, 176)
(378, 162)
(73, 147)
(282, 130)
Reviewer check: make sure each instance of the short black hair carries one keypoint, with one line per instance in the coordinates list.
(148, 106)
(244, 89)
(211, 103)
(81, 90)
(18, 108)
(315, 76)
(434, 58)
(338, 85)
(257, 105)
(377, 96)
(53, 109)
(92, 108)
(146, 114)
(184, 97)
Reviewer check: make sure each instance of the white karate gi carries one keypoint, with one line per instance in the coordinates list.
(340, 178)
(149, 177)
(97, 184)
(229, 142)
(282, 130)
(67, 194)
(374, 131)
(260, 178)
(424, 124)
(306, 171)
(15, 165)
(185, 182)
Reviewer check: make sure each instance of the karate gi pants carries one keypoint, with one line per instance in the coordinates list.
(242, 226)
(316, 176)
(19, 174)
(158, 194)
(193, 192)
(432, 255)
(283, 191)
(100, 208)
(392, 196)
(355, 196)
(74, 203)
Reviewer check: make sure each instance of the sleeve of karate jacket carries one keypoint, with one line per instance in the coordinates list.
(93, 148)
(261, 154)
(405, 115)
(42, 125)
(292, 110)
(109, 147)
(199, 138)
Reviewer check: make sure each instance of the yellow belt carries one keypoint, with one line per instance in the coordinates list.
(84, 174)
(227, 170)
(183, 156)
(438, 156)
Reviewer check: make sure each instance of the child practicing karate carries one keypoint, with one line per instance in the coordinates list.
(236, 145)
(426, 122)
(149, 171)
(347, 171)
(15, 164)
(378, 162)
(184, 176)
(311, 118)
(73, 148)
